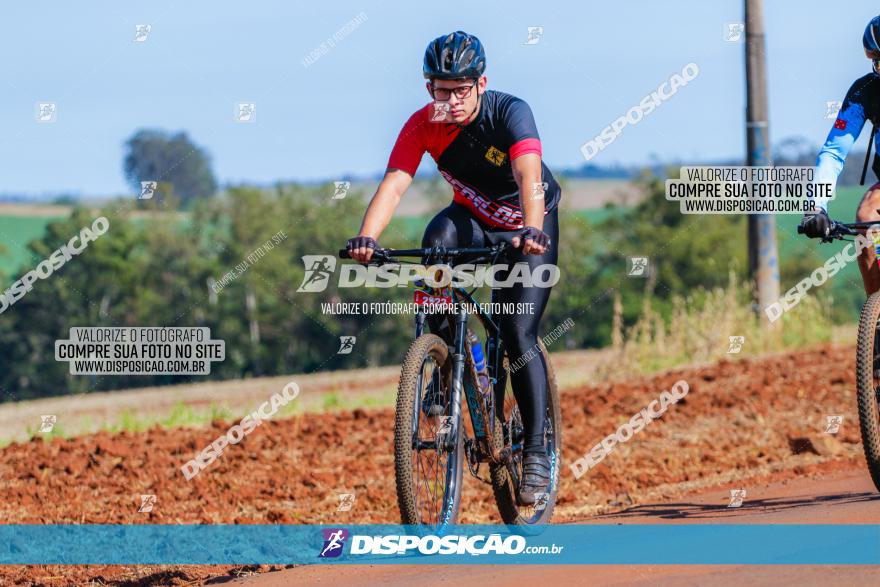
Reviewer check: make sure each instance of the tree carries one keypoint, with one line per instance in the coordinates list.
(154, 155)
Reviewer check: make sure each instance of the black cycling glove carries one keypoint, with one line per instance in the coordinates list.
(359, 242)
(536, 234)
(816, 225)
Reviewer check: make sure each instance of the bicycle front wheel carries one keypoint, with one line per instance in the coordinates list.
(868, 383)
(428, 475)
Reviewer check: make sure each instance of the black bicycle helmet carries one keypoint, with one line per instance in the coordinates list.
(871, 39)
(453, 56)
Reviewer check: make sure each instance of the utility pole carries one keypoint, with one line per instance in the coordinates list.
(763, 256)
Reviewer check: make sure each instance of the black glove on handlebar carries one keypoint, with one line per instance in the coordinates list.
(816, 225)
(539, 236)
(359, 242)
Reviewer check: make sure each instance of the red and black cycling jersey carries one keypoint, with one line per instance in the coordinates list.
(475, 157)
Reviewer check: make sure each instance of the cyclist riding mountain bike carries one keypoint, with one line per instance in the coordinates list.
(485, 144)
(862, 103)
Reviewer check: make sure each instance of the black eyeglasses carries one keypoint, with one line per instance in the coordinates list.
(443, 94)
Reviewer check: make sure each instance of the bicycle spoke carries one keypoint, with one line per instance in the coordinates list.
(430, 460)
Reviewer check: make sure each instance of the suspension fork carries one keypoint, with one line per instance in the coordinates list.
(420, 323)
(458, 362)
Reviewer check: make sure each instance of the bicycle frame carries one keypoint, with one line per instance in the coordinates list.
(481, 405)
(481, 409)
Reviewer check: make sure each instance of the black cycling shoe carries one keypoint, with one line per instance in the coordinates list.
(433, 404)
(535, 479)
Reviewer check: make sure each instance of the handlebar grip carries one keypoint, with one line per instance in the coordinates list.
(503, 236)
(343, 254)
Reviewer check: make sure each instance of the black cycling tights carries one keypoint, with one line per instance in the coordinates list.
(456, 227)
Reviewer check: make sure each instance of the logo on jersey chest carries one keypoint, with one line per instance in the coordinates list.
(495, 157)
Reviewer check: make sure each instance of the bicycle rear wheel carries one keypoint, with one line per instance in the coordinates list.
(506, 477)
(868, 383)
(428, 476)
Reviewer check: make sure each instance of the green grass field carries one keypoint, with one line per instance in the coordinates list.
(15, 233)
(845, 287)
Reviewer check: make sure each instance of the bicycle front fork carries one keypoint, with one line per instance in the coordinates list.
(458, 364)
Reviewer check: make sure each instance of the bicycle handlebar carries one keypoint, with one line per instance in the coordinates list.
(840, 229)
(433, 252)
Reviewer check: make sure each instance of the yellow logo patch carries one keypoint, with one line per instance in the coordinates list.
(495, 156)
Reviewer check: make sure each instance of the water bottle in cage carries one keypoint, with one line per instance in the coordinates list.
(479, 361)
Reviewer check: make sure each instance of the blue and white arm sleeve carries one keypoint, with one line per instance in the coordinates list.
(842, 137)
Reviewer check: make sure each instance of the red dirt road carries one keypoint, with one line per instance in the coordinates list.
(599, 575)
(841, 497)
(744, 424)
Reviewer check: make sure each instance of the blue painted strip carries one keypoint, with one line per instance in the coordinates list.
(565, 544)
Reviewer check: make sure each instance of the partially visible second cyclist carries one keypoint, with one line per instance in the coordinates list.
(861, 104)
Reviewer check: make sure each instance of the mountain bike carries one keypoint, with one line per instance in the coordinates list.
(438, 379)
(867, 360)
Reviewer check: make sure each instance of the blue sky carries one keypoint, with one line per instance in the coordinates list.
(341, 114)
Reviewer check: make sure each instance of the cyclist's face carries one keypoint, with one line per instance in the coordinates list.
(874, 56)
(457, 97)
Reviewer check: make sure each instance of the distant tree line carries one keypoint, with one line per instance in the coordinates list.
(157, 268)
